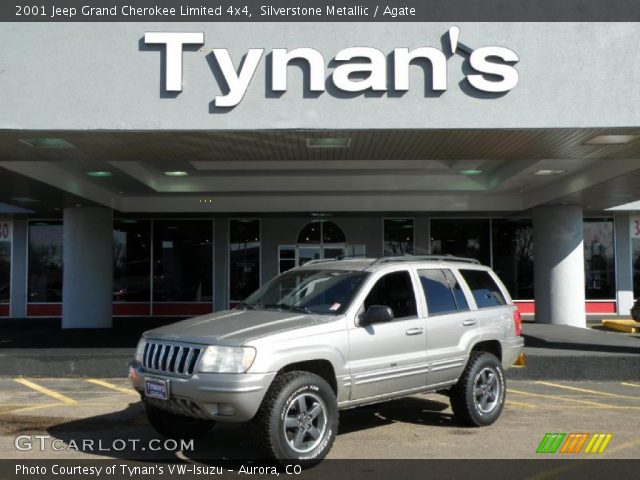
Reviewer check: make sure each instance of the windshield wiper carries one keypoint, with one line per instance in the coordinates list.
(284, 306)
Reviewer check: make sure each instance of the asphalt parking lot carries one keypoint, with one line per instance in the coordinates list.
(84, 418)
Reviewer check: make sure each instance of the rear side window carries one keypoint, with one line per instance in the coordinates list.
(461, 300)
(484, 288)
(441, 290)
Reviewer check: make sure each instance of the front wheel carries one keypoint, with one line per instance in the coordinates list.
(478, 397)
(298, 418)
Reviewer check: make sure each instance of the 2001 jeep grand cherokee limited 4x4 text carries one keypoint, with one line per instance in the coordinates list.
(332, 335)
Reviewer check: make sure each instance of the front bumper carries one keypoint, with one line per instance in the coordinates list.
(224, 397)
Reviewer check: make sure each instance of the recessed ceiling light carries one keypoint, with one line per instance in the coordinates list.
(25, 199)
(471, 171)
(99, 173)
(44, 142)
(176, 173)
(328, 142)
(611, 139)
(78, 204)
(545, 171)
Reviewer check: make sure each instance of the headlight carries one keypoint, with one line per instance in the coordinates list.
(227, 359)
(140, 350)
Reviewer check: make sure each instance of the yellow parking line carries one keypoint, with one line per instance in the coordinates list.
(622, 446)
(39, 388)
(566, 399)
(520, 404)
(630, 384)
(111, 386)
(36, 407)
(585, 390)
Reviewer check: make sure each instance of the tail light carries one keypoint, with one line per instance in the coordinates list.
(517, 321)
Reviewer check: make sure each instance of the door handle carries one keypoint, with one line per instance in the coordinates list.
(415, 331)
(468, 323)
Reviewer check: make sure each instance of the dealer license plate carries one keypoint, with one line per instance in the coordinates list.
(156, 388)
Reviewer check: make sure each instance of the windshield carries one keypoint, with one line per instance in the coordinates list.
(327, 292)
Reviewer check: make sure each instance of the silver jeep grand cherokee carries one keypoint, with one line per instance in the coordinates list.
(332, 335)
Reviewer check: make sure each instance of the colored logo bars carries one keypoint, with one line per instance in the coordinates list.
(574, 442)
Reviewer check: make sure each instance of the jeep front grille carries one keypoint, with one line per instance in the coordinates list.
(171, 358)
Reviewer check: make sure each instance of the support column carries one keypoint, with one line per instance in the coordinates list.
(624, 270)
(88, 268)
(559, 265)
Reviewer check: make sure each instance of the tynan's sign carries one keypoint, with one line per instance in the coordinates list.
(358, 69)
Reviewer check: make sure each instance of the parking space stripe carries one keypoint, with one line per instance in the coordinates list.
(586, 390)
(46, 391)
(567, 399)
(630, 384)
(111, 386)
(36, 407)
(515, 403)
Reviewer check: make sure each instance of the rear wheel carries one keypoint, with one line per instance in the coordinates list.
(176, 426)
(478, 397)
(298, 418)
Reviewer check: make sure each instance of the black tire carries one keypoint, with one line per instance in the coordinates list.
(316, 414)
(176, 426)
(478, 397)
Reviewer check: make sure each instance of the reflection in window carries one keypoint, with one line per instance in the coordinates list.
(131, 260)
(463, 238)
(484, 289)
(244, 258)
(182, 256)
(599, 261)
(45, 262)
(5, 271)
(513, 255)
(398, 236)
(437, 292)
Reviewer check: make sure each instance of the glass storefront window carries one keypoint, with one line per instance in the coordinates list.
(286, 257)
(461, 237)
(131, 260)
(599, 259)
(244, 258)
(183, 261)
(398, 234)
(45, 262)
(635, 245)
(513, 255)
(321, 232)
(5, 260)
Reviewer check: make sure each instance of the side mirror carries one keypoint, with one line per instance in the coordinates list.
(377, 314)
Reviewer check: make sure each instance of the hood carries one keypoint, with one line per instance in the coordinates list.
(235, 327)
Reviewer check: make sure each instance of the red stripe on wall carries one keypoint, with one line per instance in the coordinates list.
(182, 308)
(44, 310)
(600, 307)
(4, 310)
(134, 309)
(527, 308)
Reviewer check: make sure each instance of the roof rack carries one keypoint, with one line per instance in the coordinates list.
(334, 259)
(319, 260)
(418, 258)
